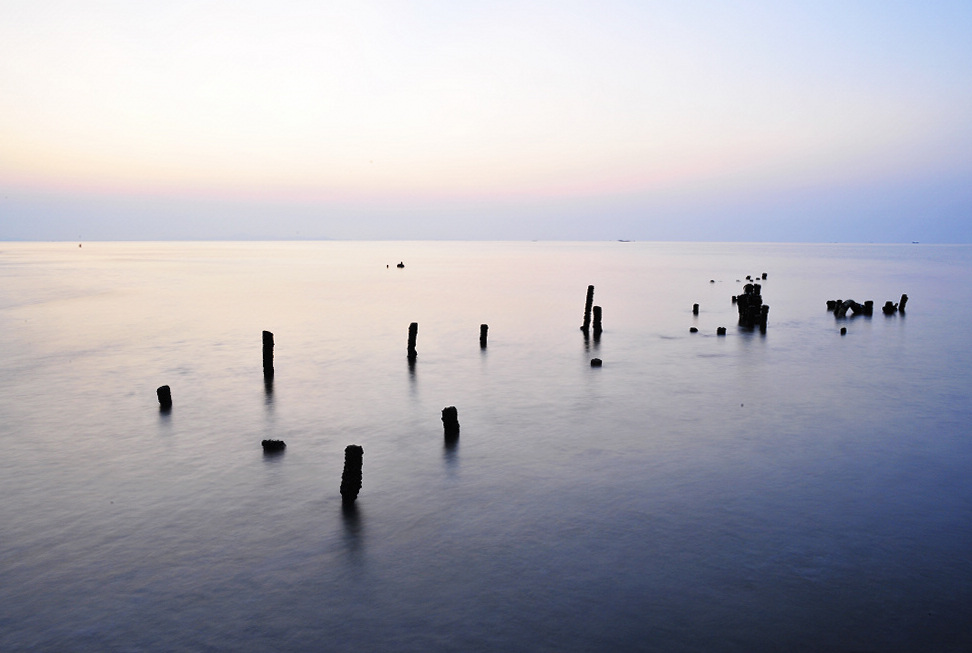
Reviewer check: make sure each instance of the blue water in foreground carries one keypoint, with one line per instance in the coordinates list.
(797, 490)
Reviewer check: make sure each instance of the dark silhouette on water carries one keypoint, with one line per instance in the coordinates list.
(412, 335)
(890, 308)
(351, 477)
(587, 310)
(752, 310)
(841, 306)
(273, 446)
(483, 330)
(267, 355)
(165, 398)
(450, 423)
(597, 323)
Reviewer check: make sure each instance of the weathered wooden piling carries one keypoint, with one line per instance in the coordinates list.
(693, 329)
(588, 303)
(483, 330)
(695, 309)
(450, 422)
(267, 355)
(901, 304)
(597, 321)
(165, 397)
(848, 304)
(351, 477)
(273, 446)
(843, 331)
(764, 276)
(869, 307)
(596, 362)
(721, 331)
(412, 335)
(752, 311)
(889, 308)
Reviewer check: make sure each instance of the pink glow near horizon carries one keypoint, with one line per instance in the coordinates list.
(453, 102)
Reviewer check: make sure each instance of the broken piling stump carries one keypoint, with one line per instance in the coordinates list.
(695, 308)
(596, 362)
(450, 422)
(901, 304)
(483, 330)
(165, 397)
(597, 322)
(721, 331)
(273, 446)
(351, 477)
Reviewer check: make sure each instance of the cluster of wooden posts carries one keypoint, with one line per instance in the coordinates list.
(353, 454)
(839, 308)
(752, 312)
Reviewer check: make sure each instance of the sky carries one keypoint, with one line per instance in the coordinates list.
(744, 120)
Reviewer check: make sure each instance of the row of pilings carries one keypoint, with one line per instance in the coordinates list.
(839, 307)
(752, 312)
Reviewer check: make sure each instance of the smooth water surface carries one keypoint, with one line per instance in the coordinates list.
(793, 490)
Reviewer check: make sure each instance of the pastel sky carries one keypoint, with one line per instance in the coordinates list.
(672, 120)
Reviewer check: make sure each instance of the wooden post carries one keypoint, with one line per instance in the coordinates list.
(412, 335)
(450, 422)
(902, 302)
(695, 308)
(597, 321)
(483, 329)
(351, 477)
(165, 397)
(587, 309)
(267, 355)
(273, 446)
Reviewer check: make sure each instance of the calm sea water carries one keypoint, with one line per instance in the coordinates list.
(797, 490)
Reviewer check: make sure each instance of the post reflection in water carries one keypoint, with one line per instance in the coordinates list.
(353, 529)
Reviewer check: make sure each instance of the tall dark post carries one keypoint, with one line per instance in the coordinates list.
(450, 422)
(412, 335)
(483, 329)
(587, 309)
(351, 477)
(597, 322)
(901, 304)
(267, 355)
(695, 308)
(165, 397)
